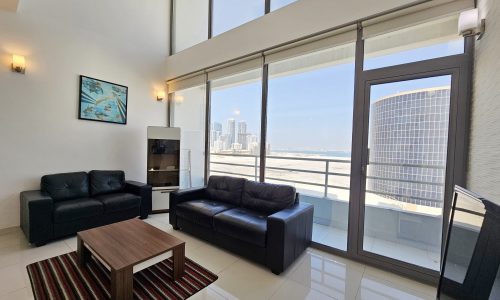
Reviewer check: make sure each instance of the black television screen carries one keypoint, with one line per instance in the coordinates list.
(472, 250)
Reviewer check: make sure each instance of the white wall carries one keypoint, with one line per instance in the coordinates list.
(484, 162)
(122, 41)
(299, 19)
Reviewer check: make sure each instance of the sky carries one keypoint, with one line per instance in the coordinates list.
(228, 14)
(312, 111)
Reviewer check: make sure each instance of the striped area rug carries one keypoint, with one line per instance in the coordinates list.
(60, 277)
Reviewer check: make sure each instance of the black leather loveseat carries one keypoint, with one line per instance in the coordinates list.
(70, 202)
(261, 221)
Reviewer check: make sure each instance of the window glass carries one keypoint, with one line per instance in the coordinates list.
(310, 109)
(405, 185)
(228, 14)
(188, 113)
(190, 23)
(417, 43)
(277, 4)
(235, 125)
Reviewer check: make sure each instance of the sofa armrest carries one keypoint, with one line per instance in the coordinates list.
(143, 190)
(183, 196)
(289, 233)
(36, 216)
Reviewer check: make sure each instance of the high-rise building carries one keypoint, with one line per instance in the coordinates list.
(216, 126)
(242, 127)
(215, 133)
(242, 135)
(408, 146)
(231, 131)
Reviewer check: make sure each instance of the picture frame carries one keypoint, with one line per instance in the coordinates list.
(102, 101)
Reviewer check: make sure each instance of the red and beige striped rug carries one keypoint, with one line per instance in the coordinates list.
(60, 277)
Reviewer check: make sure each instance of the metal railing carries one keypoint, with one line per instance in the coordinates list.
(326, 173)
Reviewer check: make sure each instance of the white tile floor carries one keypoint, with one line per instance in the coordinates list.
(315, 275)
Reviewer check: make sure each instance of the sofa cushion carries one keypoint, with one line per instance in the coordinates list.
(105, 182)
(201, 211)
(71, 210)
(225, 189)
(267, 198)
(66, 186)
(119, 202)
(242, 224)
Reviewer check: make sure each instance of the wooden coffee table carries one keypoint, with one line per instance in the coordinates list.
(128, 247)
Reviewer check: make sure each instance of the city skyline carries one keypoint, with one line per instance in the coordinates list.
(318, 101)
(233, 137)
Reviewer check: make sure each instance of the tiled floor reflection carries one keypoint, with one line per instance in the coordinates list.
(315, 275)
(427, 257)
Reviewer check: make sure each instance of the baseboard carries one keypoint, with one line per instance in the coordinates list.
(9, 230)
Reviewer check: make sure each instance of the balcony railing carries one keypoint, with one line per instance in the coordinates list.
(325, 185)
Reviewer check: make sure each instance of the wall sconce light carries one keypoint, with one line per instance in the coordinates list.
(470, 24)
(18, 64)
(160, 95)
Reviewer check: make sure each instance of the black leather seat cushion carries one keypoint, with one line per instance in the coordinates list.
(267, 198)
(201, 211)
(71, 210)
(105, 182)
(66, 185)
(225, 189)
(243, 224)
(119, 202)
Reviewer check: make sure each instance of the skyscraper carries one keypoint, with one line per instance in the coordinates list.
(242, 134)
(231, 131)
(242, 127)
(215, 133)
(216, 126)
(408, 146)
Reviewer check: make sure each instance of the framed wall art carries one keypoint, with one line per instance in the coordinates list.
(102, 101)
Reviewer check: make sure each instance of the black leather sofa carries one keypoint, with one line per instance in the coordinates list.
(261, 221)
(71, 202)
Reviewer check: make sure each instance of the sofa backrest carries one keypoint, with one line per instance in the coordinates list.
(65, 186)
(225, 189)
(105, 182)
(266, 197)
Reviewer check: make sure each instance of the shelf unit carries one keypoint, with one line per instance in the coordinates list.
(163, 164)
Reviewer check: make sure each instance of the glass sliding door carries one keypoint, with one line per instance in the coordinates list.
(235, 125)
(406, 169)
(309, 132)
(188, 113)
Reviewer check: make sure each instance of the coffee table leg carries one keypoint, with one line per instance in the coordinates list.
(179, 260)
(122, 284)
(82, 252)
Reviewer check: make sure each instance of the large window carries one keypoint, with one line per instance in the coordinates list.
(277, 4)
(189, 23)
(426, 41)
(188, 113)
(191, 18)
(310, 109)
(228, 14)
(380, 165)
(235, 125)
